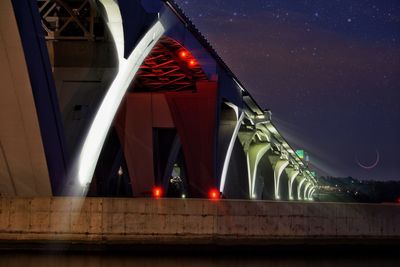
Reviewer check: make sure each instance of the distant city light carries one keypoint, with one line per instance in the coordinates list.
(300, 153)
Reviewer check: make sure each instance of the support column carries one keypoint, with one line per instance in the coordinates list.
(305, 191)
(229, 152)
(312, 193)
(255, 153)
(292, 174)
(278, 169)
(299, 188)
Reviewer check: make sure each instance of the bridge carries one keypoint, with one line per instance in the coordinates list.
(130, 105)
(137, 102)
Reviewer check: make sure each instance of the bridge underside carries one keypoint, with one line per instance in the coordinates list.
(139, 100)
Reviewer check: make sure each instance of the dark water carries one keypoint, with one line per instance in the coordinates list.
(90, 259)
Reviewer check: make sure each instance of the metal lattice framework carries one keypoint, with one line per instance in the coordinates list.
(169, 67)
(70, 20)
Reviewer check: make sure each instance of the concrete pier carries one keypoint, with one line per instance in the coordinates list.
(194, 221)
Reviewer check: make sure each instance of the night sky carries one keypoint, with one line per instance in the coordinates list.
(328, 70)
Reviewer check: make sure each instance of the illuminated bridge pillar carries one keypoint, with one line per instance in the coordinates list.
(128, 66)
(306, 190)
(254, 154)
(309, 192)
(229, 124)
(299, 188)
(279, 167)
(312, 193)
(232, 159)
(292, 174)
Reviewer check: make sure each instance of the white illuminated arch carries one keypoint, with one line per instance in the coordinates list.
(260, 150)
(229, 151)
(126, 71)
(299, 188)
(279, 167)
(292, 176)
(305, 191)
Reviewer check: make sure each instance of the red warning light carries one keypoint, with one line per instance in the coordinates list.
(213, 194)
(192, 62)
(157, 192)
(183, 54)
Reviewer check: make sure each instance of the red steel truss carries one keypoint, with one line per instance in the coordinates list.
(169, 67)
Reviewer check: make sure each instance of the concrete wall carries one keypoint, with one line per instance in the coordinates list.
(184, 221)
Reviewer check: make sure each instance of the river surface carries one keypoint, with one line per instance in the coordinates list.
(95, 259)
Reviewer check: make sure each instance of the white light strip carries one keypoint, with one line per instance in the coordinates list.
(305, 191)
(249, 176)
(229, 152)
(127, 69)
(312, 193)
(237, 83)
(309, 192)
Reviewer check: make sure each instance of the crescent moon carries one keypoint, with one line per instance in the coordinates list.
(369, 167)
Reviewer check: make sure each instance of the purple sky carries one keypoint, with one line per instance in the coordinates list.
(328, 70)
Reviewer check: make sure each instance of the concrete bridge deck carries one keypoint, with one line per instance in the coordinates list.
(194, 221)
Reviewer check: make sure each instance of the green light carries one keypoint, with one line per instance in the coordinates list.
(313, 174)
(300, 153)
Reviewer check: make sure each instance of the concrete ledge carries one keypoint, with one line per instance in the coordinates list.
(194, 221)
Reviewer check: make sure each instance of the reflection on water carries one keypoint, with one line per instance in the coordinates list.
(91, 259)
